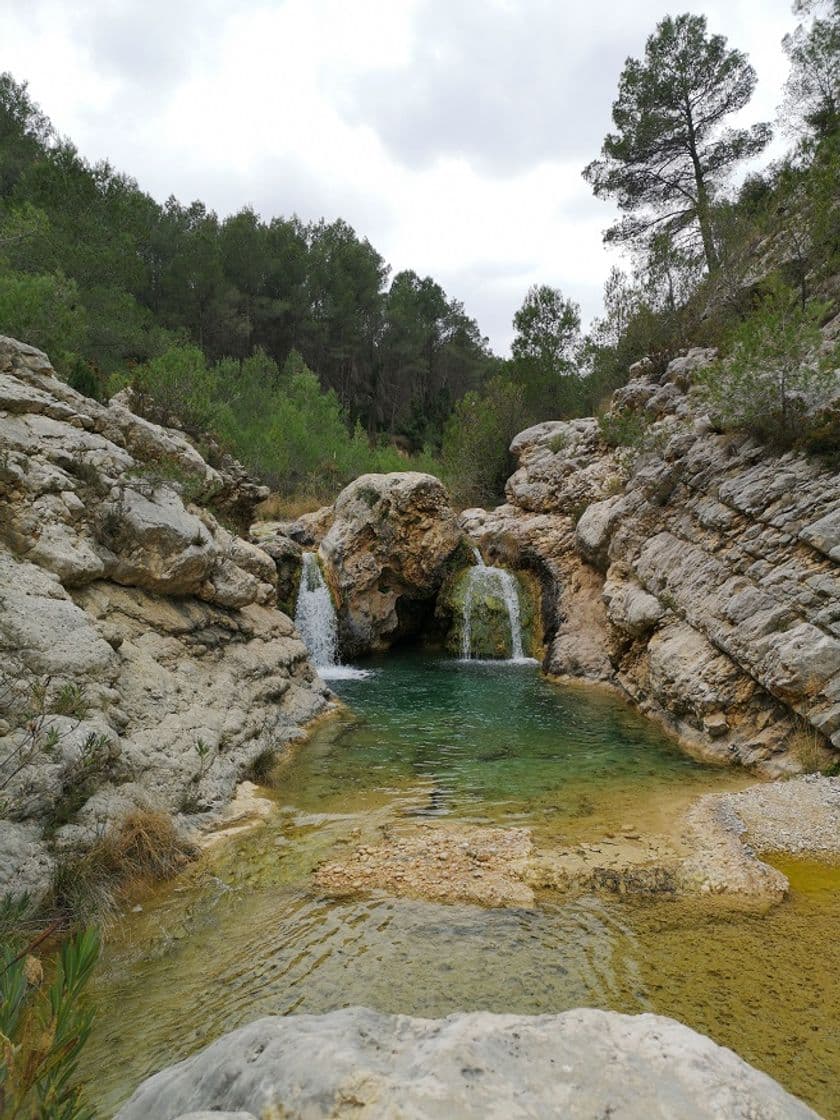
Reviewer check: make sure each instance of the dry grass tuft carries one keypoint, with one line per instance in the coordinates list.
(146, 846)
(143, 848)
(281, 507)
(807, 746)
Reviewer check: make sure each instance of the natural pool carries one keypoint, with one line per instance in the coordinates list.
(246, 933)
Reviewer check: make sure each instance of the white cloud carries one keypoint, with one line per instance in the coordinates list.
(451, 134)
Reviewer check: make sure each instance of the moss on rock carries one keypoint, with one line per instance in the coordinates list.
(490, 625)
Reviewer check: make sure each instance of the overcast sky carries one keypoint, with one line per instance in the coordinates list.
(450, 133)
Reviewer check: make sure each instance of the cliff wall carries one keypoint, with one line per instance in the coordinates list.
(143, 662)
(696, 570)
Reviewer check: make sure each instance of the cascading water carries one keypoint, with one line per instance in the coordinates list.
(315, 615)
(488, 579)
(317, 624)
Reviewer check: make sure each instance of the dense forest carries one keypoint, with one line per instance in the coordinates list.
(219, 323)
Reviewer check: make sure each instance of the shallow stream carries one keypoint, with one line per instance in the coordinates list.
(246, 933)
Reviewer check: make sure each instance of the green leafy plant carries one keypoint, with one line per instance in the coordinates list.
(44, 1027)
(29, 706)
(149, 477)
(622, 429)
(774, 380)
(70, 701)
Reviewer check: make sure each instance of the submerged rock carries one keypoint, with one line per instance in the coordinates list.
(443, 862)
(470, 1066)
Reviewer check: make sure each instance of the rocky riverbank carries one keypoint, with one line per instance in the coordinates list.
(143, 661)
(694, 570)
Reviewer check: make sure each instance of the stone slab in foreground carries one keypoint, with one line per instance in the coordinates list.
(358, 1063)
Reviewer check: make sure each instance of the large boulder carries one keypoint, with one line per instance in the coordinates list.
(393, 540)
(470, 1066)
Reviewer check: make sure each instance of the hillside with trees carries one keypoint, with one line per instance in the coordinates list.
(117, 287)
(292, 346)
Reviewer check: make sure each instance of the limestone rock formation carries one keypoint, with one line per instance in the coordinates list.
(393, 539)
(142, 659)
(359, 1063)
(285, 541)
(698, 571)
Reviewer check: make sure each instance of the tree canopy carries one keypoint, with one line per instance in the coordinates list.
(96, 270)
(670, 149)
(545, 349)
(812, 90)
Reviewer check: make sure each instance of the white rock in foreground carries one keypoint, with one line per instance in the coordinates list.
(358, 1063)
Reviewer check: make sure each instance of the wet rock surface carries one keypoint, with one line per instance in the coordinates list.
(356, 1062)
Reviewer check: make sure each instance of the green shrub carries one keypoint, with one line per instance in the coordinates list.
(476, 460)
(192, 486)
(773, 383)
(622, 429)
(70, 701)
(26, 705)
(45, 311)
(178, 386)
(558, 442)
(281, 424)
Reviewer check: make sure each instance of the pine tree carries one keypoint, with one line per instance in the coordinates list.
(669, 150)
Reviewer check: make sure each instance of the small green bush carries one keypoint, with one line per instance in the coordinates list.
(774, 382)
(280, 423)
(558, 442)
(622, 429)
(476, 459)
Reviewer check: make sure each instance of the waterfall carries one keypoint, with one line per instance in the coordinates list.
(484, 578)
(315, 615)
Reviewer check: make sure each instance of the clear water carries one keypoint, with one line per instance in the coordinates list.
(246, 933)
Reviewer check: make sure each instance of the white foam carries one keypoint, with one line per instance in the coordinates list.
(343, 673)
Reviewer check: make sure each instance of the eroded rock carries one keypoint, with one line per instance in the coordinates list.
(386, 555)
(470, 1066)
(133, 626)
(714, 558)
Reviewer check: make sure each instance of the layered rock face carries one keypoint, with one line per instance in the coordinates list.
(142, 659)
(581, 1064)
(392, 541)
(697, 570)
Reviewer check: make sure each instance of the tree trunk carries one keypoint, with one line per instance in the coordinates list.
(704, 218)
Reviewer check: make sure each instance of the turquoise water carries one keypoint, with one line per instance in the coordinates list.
(487, 741)
(247, 933)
